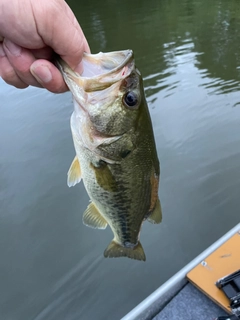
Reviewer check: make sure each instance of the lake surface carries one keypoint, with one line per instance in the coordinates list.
(52, 266)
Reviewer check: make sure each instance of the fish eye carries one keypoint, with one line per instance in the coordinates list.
(130, 99)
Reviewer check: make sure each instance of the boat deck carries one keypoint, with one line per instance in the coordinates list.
(178, 298)
(189, 304)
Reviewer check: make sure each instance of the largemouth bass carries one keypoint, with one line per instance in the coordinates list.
(115, 149)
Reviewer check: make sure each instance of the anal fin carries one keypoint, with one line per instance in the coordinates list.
(93, 218)
(74, 173)
(115, 250)
(156, 215)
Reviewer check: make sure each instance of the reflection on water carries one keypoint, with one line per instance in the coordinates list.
(98, 31)
(53, 266)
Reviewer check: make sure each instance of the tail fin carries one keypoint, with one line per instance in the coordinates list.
(115, 250)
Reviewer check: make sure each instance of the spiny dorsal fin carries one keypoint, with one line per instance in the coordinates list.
(115, 250)
(156, 215)
(93, 218)
(74, 173)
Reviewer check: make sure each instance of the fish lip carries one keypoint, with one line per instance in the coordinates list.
(64, 67)
(129, 56)
(67, 72)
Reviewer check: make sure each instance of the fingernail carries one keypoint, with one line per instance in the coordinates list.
(12, 47)
(41, 73)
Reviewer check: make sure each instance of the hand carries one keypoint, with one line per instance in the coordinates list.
(30, 31)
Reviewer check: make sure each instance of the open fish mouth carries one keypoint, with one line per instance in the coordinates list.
(105, 63)
(101, 70)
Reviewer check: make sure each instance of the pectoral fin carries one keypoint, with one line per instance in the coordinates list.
(104, 177)
(115, 250)
(74, 173)
(156, 215)
(93, 218)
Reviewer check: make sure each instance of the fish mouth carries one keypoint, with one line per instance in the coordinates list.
(101, 70)
(105, 63)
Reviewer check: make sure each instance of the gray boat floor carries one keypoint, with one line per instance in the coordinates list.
(190, 304)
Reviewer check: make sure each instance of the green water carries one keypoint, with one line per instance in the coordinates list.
(52, 266)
